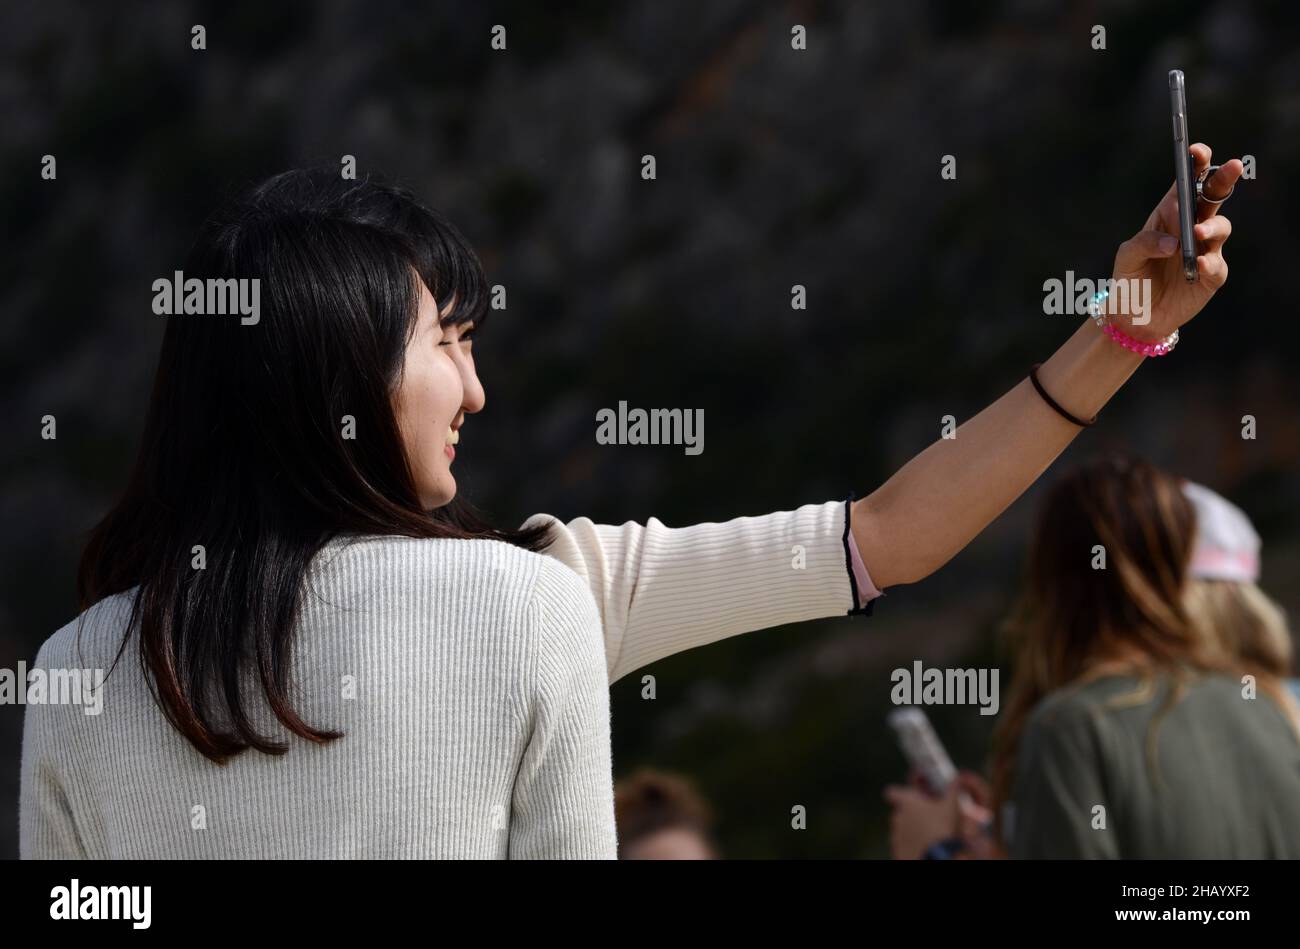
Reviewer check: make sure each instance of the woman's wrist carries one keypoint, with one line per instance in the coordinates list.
(1113, 314)
(1161, 346)
(1087, 370)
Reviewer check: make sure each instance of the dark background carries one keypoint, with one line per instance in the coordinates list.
(775, 167)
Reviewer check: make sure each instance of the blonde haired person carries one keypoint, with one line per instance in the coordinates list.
(1129, 732)
(1128, 638)
(1223, 593)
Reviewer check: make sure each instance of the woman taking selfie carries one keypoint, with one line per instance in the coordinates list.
(348, 662)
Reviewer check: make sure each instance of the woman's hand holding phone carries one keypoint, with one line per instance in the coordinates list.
(920, 818)
(1153, 254)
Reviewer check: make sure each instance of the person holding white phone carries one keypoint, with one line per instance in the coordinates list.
(1150, 713)
(1131, 729)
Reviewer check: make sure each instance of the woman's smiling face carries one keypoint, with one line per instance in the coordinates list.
(438, 388)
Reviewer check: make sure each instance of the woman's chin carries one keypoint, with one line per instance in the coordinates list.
(442, 496)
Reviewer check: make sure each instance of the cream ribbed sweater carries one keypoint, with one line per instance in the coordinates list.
(470, 680)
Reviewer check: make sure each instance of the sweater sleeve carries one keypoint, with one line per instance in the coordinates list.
(46, 830)
(563, 798)
(663, 590)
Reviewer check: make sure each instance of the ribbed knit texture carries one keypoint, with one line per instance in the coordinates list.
(470, 681)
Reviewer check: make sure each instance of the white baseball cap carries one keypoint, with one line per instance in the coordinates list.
(1227, 545)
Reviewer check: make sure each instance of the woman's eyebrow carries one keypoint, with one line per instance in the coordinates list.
(445, 317)
(450, 318)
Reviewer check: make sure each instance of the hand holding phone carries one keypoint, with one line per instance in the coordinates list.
(1173, 290)
(922, 748)
(1189, 189)
(1183, 172)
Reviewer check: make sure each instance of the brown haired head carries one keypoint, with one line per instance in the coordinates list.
(1079, 610)
(665, 811)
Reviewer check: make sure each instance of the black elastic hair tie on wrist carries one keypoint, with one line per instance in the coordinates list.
(1033, 377)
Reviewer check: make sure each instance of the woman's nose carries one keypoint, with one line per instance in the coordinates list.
(475, 397)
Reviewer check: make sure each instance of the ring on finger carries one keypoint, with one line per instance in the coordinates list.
(1200, 186)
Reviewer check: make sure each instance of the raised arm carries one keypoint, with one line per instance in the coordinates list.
(939, 501)
(934, 505)
(662, 590)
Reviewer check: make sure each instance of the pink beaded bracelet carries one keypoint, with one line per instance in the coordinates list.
(1160, 347)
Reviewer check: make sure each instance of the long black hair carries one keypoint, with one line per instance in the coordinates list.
(244, 451)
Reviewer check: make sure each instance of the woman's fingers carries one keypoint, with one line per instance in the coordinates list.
(1141, 247)
(1213, 228)
(1213, 270)
(896, 794)
(1212, 233)
(1218, 186)
(1215, 187)
(976, 787)
(1201, 155)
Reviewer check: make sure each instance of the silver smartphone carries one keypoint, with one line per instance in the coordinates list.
(1183, 172)
(922, 748)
